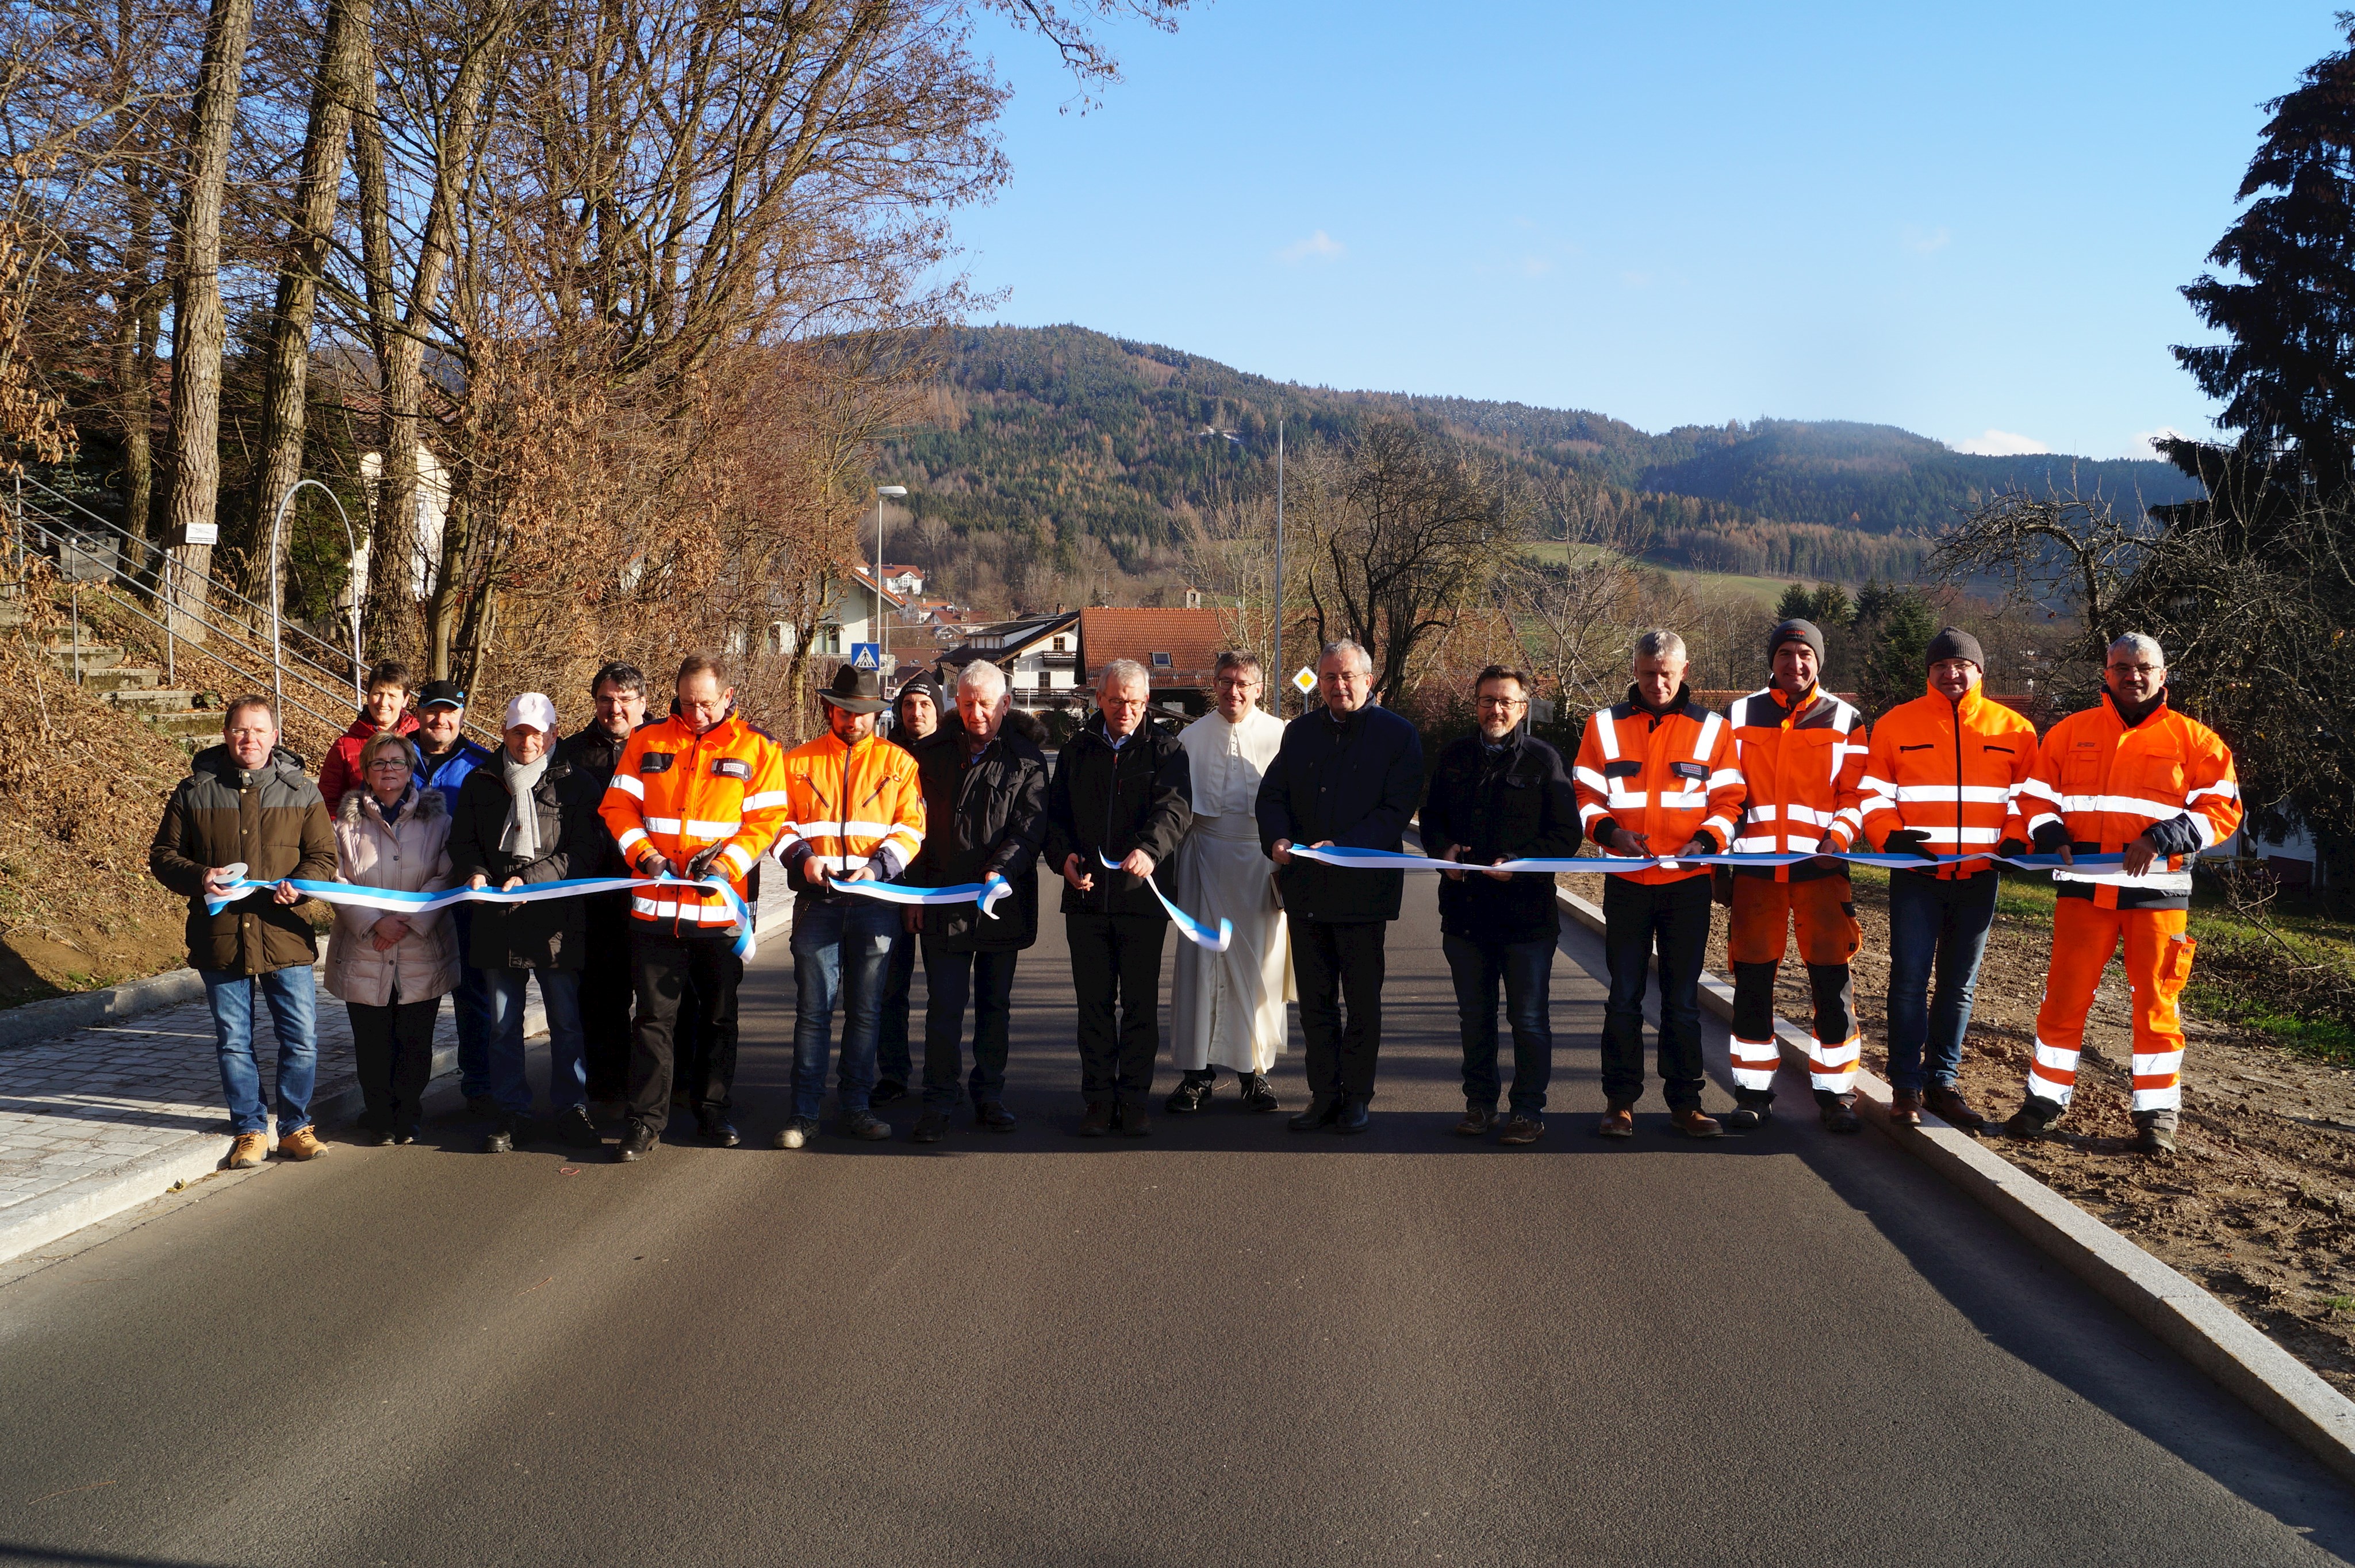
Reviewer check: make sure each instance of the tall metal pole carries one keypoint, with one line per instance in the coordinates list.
(352, 544)
(882, 640)
(1283, 680)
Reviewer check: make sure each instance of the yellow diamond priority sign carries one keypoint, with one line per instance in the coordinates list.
(1305, 679)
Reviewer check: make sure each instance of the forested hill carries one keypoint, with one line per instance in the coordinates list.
(1058, 433)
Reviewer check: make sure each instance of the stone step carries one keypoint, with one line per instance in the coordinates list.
(175, 701)
(97, 657)
(120, 679)
(196, 724)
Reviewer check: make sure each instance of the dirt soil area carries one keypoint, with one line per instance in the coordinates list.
(2259, 1203)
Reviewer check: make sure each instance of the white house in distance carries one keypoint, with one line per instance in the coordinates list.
(433, 511)
(853, 618)
(1039, 654)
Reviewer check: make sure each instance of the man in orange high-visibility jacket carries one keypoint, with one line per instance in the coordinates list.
(700, 790)
(1801, 752)
(857, 811)
(1655, 776)
(2128, 776)
(1939, 780)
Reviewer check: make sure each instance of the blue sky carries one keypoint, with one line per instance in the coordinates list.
(1969, 221)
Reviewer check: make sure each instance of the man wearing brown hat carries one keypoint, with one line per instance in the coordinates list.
(1800, 751)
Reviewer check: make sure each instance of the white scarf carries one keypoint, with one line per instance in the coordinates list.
(520, 838)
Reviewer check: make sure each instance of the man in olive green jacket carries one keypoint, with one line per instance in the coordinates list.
(247, 803)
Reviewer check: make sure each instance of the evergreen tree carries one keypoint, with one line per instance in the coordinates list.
(2287, 375)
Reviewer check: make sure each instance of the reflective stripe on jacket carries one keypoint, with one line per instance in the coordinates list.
(1947, 770)
(851, 806)
(1802, 770)
(679, 792)
(1668, 777)
(2106, 784)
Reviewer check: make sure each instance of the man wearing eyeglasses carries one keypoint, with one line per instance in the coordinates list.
(1501, 794)
(2131, 777)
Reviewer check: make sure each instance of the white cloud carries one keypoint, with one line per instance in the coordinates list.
(1318, 247)
(2140, 445)
(1995, 443)
(1924, 242)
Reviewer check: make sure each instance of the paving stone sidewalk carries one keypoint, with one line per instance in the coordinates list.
(96, 1120)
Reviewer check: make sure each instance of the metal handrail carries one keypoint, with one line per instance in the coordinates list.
(55, 532)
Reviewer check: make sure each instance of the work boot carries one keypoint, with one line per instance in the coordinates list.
(1192, 1094)
(301, 1144)
(1521, 1129)
(1097, 1123)
(1259, 1094)
(930, 1128)
(2034, 1118)
(248, 1150)
(1839, 1117)
(2154, 1132)
(1946, 1103)
(1750, 1112)
(1355, 1115)
(504, 1133)
(711, 1126)
(575, 1130)
(1905, 1108)
(1618, 1122)
(1476, 1120)
(638, 1140)
(1322, 1111)
(1694, 1123)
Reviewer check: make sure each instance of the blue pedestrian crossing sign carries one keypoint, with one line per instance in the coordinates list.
(867, 655)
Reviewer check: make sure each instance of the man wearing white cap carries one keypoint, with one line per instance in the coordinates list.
(525, 817)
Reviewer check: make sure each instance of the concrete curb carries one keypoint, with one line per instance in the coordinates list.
(38, 1222)
(2190, 1321)
(35, 1021)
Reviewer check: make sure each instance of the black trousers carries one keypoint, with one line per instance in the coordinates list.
(663, 967)
(1116, 958)
(950, 978)
(607, 989)
(1636, 916)
(393, 1048)
(1333, 962)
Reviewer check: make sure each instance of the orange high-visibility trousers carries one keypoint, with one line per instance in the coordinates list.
(2157, 961)
(1823, 911)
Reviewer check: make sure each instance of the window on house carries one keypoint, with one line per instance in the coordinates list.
(1062, 646)
(833, 639)
(1161, 661)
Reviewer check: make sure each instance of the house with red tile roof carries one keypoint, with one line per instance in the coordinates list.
(1178, 648)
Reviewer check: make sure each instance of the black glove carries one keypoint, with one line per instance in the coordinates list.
(1908, 841)
(700, 867)
(2051, 838)
(2011, 848)
(653, 864)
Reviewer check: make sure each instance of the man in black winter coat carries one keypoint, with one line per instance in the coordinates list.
(985, 814)
(1501, 794)
(592, 752)
(921, 721)
(1348, 773)
(1121, 789)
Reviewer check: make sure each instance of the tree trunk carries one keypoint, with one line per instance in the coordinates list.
(343, 56)
(200, 329)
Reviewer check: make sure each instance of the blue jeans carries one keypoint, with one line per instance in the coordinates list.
(470, 1006)
(892, 1059)
(840, 951)
(293, 996)
(1941, 925)
(568, 1059)
(1526, 970)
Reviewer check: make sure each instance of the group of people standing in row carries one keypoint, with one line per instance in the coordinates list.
(1210, 816)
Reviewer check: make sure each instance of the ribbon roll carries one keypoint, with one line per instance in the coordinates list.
(351, 896)
(1192, 930)
(985, 893)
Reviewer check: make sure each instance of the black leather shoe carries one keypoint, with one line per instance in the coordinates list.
(993, 1115)
(1322, 1111)
(864, 1126)
(712, 1128)
(403, 1135)
(1097, 1123)
(1192, 1094)
(930, 1128)
(1354, 1117)
(504, 1133)
(575, 1130)
(372, 1138)
(1749, 1115)
(638, 1140)
(1840, 1119)
(887, 1092)
(1259, 1094)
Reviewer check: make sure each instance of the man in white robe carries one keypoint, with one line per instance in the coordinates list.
(1226, 1010)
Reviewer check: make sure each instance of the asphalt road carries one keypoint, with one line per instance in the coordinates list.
(1223, 1344)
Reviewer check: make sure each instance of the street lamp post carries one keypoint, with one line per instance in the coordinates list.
(882, 626)
(277, 665)
(1282, 679)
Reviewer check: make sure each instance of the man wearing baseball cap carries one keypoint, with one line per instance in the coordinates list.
(855, 812)
(445, 759)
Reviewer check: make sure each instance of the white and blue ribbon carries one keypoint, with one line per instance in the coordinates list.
(1606, 865)
(353, 896)
(985, 893)
(1192, 930)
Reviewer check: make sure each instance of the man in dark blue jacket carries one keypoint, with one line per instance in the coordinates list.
(445, 758)
(1501, 794)
(1348, 773)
